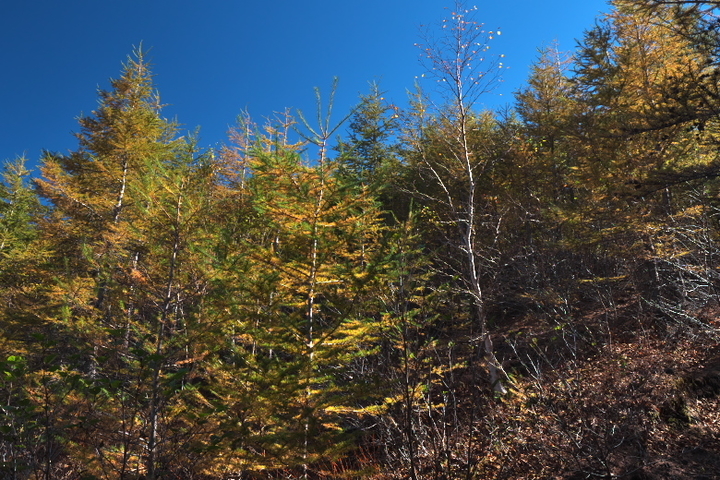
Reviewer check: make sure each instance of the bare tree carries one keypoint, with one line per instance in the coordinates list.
(457, 57)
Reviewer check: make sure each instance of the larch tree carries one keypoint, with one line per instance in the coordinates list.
(547, 109)
(89, 190)
(23, 437)
(128, 223)
(300, 274)
(639, 140)
(21, 255)
(640, 84)
(87, 305)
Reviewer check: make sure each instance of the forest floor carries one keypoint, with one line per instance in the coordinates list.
(616, 393)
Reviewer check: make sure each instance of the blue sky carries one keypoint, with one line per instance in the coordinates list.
(215, 58)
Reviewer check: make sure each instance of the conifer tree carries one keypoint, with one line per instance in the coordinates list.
(298, 317)
(411, 302)
(21, 255)
(92, 207)
(547, 108)
(127, 227)
(23, 437)
(89, 188)
(368, 151)
(643, 124)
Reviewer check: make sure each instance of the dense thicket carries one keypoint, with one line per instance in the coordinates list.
(457, 294)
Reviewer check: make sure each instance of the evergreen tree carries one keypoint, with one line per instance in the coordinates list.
(547, 108)
(453, 156)
(21, 255)
(368, 154)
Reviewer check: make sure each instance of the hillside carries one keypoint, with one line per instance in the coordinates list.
(440, 293)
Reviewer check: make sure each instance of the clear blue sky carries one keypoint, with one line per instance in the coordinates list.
(215, 58)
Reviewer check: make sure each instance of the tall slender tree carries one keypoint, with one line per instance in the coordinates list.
(297, 313)
(21, 255)
(458, 59)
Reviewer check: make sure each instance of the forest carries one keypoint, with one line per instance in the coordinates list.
(434, 292)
